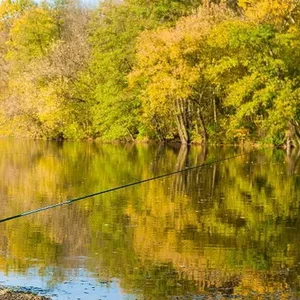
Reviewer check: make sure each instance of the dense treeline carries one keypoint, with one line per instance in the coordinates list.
(217, 71)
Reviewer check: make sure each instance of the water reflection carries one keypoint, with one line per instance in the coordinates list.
(229, 229)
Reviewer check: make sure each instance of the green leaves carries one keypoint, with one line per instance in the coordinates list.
(253, 69)
(160, 69)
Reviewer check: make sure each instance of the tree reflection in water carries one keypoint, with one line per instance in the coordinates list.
(228, 229)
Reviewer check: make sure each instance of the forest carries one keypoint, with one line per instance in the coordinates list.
(162, 70)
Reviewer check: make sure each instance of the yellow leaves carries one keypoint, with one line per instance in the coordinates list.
(10, 10)
(32, 34)
(50, 110)
(275, 11)
(166, 60)
(222, 34)
(33, 109)
(170, 68)
(171, 59)
(7, 13)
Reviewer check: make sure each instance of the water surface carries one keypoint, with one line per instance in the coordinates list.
(228, 230)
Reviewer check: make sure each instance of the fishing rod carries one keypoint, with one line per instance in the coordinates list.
(67, 202)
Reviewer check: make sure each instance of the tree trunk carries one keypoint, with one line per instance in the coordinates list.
(202, 124)
(215, 109)
(182, 129)
(130, 134)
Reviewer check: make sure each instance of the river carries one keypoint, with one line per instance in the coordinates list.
(226, 230)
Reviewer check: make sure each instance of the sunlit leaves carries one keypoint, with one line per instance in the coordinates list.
(32, 35)
(279, 13)
(44, 52)
(11, 10)
(158, 69)
(254, 71)
(171, 66)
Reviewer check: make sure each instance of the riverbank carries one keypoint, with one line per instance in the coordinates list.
(6, 294)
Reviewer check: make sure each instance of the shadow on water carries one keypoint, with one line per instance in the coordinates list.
(228, 230)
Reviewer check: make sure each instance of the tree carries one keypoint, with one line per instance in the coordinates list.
(257, 76)
(114, 30)
(9, 12)
(171, 67)
(46, 52)
(32, 35)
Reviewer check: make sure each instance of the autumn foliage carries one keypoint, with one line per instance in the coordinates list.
(165, 70)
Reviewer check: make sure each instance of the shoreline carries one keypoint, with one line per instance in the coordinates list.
(8, 294)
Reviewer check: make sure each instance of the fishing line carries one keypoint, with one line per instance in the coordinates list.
(27, 213)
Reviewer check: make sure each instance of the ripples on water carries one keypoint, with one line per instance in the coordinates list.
(228, 230)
